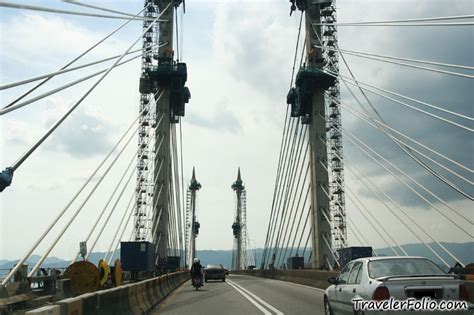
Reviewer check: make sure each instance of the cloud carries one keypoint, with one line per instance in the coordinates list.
(84, 134)
(16, 133)
(222, 120)
(442, 90)
(253, 47)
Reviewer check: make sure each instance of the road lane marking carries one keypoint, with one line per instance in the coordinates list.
(297, 284)
(249, 298)
(274, 309)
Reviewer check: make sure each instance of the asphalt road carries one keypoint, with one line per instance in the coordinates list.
(244, 295)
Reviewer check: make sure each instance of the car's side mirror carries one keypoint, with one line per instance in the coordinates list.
(332, 280)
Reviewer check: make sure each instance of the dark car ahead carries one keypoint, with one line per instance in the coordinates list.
(214, 272)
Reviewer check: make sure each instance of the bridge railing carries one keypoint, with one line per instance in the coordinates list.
(134, 298)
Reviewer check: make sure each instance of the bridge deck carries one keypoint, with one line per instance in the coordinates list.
(244, 295)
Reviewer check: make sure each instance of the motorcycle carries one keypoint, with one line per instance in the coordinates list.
(197, 282)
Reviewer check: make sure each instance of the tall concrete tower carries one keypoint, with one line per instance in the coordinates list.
(192, 224)
(239, 227)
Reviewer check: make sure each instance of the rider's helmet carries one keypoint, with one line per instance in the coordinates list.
(196, 260)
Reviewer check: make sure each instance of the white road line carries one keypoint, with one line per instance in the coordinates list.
(292, 283)
(249, 298)
(277, 312)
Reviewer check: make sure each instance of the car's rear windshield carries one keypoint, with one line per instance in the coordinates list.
(403, 267)
(214, 267)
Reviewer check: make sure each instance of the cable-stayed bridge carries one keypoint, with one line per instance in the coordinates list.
(316, 212)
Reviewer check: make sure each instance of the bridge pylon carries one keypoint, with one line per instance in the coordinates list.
(239, 227)
(192, 224)
(321, 240)
(311, 100)
(163, 98)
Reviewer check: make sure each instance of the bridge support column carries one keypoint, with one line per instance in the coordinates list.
(162, 142)
(321, 256)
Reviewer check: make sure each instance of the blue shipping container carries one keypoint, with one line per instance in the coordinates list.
(350, 253)
(137, 256)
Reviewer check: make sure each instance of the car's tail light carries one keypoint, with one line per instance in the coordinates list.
(381, 293)
(463, 293)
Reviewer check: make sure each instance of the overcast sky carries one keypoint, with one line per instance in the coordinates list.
(239, 56)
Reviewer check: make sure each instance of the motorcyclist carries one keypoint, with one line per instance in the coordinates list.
(196, 269)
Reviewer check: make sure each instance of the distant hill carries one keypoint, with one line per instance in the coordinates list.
(463, 251)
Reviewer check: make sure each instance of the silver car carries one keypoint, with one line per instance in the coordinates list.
(380, 278)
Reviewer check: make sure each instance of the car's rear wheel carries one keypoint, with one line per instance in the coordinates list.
(327, 307)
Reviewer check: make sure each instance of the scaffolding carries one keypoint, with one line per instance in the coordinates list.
(334, 128)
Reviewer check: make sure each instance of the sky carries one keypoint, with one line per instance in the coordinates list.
(239, 56)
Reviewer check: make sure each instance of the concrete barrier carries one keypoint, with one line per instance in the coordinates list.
(90, 303)
(136, 298)
(71, 306)
(134, 304)
(313, 278)
(46, 310)
(109, 302)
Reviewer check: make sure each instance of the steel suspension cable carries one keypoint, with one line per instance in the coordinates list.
(296, 50)
(107, 220)
(177, 192)
(294, 217)
(358, 231)
(51, 10)
(177, 187)
(133, 158)
(355, 234)
(375, 57)
(173, 223)
(399, 24)
(73, 107)
(374, 218)
(97, 8)
(281, 161)
(352, 110)
(94, 226)
(439, 18)
(423, 155)
(289, 191)
(304, 228)
(127, 213)
(286, 169)
(123, 232)
(372, 88)
(366, 152)
(403, 148)
(363, 179)
(51, 74)
(72, 61)
(295, 155)
(182, 182)
(306, 244)
(363, 212)
(63, 211)
(281, 158)
(283, 140)
(441, 64)
(6, 110)
(414, 157)
(299, 221)
(59, 236)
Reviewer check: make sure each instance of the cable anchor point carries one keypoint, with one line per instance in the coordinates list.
(6, 178)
